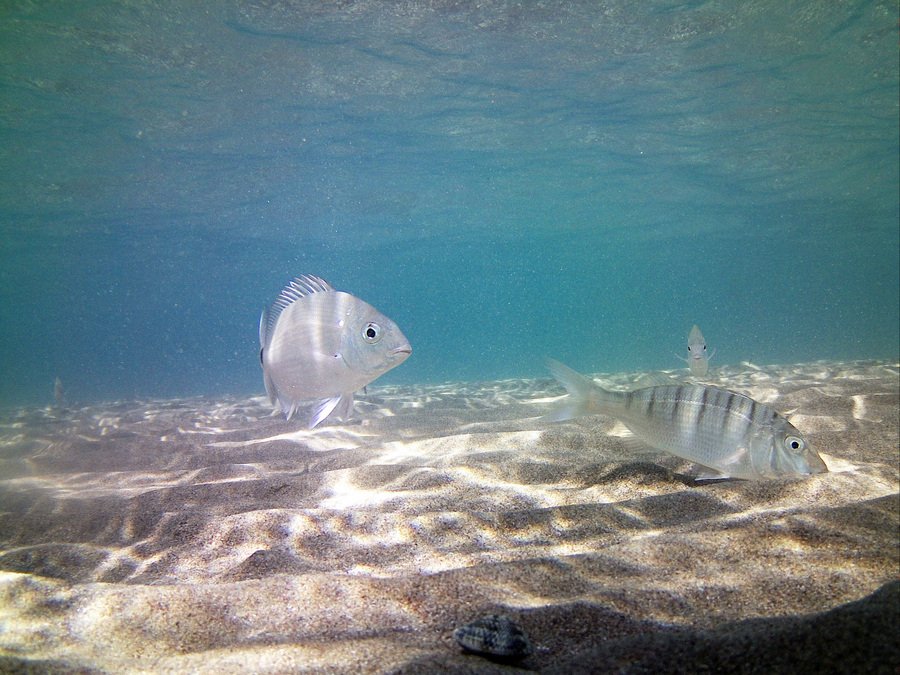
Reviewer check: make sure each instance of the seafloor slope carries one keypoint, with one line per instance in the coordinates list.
(206, 535)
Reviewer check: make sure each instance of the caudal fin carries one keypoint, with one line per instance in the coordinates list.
(583, 397)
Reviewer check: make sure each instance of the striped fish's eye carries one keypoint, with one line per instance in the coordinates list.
(372, 333)
(794, 443)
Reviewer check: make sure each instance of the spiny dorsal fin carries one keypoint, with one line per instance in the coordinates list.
(299, 287)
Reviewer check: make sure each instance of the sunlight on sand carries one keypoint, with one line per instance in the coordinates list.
(143, 536)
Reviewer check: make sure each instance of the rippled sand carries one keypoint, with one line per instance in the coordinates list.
(208, 535)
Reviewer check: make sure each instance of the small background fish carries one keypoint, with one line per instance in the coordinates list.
(59, 392)
(697, 358)
(320, 345)
(729, 434)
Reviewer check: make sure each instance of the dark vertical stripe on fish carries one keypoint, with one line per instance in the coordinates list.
(676, 405)
(768, 415)
(702, 407)
(749, 420)
(745, 415)
(729, 418)
(729, 403)
(694, 414)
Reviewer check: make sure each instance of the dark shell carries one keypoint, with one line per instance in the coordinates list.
(494, 635)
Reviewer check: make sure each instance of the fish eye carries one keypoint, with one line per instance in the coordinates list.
(794, 443)
(372, 333)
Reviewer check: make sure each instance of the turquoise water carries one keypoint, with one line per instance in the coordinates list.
(507, 181)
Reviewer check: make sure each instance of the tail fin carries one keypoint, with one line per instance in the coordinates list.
(584, 395)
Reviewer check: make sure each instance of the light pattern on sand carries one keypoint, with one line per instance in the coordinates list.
(180, 534)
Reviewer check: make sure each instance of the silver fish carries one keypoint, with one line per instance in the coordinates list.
(320, 345)
(728, 433)
(697, 358)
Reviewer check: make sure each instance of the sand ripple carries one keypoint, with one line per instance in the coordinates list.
(209, 535)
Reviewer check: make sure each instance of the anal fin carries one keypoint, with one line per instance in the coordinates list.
(323, 409)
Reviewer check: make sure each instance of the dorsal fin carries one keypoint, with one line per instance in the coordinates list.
(299, 287)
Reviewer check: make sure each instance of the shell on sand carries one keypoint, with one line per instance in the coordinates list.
(494, 635)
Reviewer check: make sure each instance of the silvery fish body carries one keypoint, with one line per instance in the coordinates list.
(320, 345)
(697, 358)
(728, 433)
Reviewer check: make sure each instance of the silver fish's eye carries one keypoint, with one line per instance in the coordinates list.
(794, 443)
(372, 333)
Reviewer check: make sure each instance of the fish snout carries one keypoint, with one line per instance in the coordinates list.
(403, 351)
(815, 463)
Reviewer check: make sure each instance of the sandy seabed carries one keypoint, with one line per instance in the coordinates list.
(206, 535)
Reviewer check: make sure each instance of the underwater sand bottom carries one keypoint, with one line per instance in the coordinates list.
(209, 536)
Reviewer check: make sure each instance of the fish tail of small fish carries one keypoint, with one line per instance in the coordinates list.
(585, 396)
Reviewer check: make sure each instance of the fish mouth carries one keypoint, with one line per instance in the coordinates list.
(816, 464)
(405, 349)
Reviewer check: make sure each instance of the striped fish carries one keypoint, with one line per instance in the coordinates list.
(729, 434)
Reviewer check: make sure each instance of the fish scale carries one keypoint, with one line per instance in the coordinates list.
(691, 419)
(726, 432)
